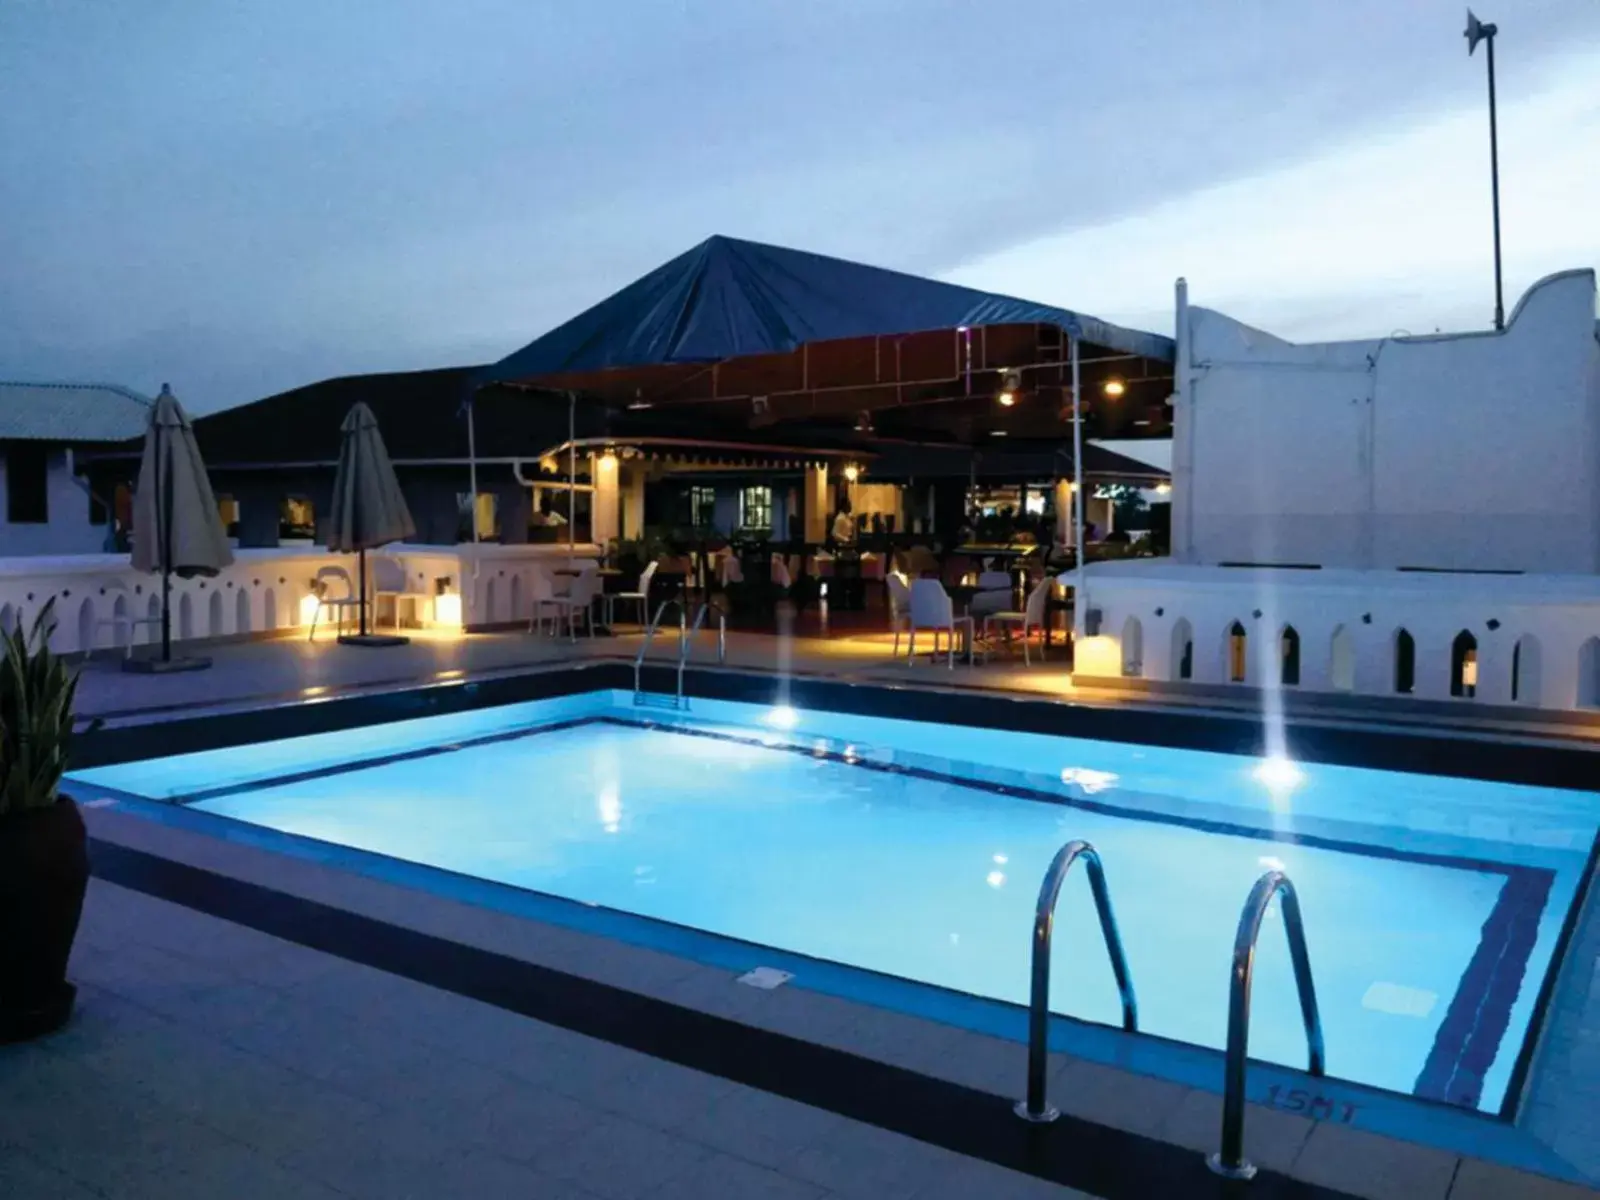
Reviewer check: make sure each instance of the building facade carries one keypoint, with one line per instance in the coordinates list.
(1410, 516)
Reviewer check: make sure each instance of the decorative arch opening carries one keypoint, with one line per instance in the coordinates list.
(516, 597)
(1342, 661)
(1183, 649)
(491, 602)
(1405, 662)
(1289, 657)
(119, 609)
(1588, 673)
(86, 625)
(1464, 666)
(269, 609)
(214, 616)
(1238, 653)
(1526, 670)
(8, 618)
(1132, 647)
(241, 612)
(185, 616)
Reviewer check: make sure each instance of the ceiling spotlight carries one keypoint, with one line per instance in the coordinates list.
(1115, 388)
(1007, 399)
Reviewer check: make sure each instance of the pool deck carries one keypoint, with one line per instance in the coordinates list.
(254, 1024)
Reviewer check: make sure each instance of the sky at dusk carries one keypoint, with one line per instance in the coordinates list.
(245, 197)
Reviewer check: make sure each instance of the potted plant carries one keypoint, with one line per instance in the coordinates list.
(44, 861)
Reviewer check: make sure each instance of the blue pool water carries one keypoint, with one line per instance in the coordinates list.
(1432, 905)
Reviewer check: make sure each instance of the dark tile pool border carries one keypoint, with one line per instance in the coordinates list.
(1104, 1161)
(1408, 750)
(1478, 1014)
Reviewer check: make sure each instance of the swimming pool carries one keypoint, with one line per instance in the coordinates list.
(1432, 905)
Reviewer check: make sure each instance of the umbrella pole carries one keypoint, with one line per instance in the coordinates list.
(361, 571)
(164, 502)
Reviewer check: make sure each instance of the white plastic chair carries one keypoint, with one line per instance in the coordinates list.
(933, 610)
(326, 577)
(989, 581)
(577, 602)
(899, 607)
(389, 579)
(542, 603)
(126, 620)
(640, 597)
(1031, 618)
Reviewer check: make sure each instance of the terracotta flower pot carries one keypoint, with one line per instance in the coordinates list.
(44, 871)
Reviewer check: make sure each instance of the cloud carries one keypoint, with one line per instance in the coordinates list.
(1389, 229)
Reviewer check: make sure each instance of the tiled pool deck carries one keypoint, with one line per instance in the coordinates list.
(211, 1058)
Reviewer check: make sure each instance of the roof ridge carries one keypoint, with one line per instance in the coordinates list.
(62, 385)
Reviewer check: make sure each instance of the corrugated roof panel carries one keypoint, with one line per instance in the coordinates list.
(71, 412)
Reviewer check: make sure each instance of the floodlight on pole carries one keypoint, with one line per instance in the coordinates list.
(1476, 32)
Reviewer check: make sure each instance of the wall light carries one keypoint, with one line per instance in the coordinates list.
(1010, 385)
(1163, 489)
(608, 459)
(851, 472)
(308, 608)
(1115, 388)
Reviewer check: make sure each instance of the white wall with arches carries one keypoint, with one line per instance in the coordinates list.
(264, 593)
(1487, 639)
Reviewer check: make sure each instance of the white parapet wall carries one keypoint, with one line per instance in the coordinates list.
(265, 592)
(1476, 451)
(1534, 639)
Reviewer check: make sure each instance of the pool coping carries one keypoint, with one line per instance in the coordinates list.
(1125, 1133)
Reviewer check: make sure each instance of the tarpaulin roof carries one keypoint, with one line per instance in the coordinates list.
(728, 298)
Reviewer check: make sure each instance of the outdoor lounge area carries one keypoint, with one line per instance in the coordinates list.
(736, 767)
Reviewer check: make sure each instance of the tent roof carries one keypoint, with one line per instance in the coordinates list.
(728, 298)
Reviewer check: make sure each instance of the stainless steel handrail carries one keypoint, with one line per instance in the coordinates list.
(1036, 1108)
(1230, 1161)
(650, 635)
(686, 642)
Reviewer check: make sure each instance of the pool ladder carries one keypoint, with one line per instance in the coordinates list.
(1228, 1162)
(686, 636)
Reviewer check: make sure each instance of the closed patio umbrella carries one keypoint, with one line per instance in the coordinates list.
(177, 529)
(368, 509)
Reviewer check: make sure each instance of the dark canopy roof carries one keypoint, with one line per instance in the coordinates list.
(728, 298)
(419, 413)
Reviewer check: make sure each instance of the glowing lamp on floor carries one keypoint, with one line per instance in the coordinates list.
(446, 604)
(308, 608)
(447, 610)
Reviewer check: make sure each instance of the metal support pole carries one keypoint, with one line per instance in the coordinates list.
(472, 465)
(1080, 607)
(1494, 180)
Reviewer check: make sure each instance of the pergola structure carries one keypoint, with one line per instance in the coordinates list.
(748, 349)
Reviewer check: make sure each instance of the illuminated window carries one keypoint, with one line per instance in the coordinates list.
(702, 506)
(1464, 665)
(297, 519)
(1238, 653)
(228, 510)
(755, 508)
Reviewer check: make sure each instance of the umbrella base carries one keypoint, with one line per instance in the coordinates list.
(164, 666)
(373, 639)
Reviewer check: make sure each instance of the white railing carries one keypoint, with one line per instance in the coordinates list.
(264, 592)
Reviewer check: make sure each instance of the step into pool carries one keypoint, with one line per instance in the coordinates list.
(1432, 905)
